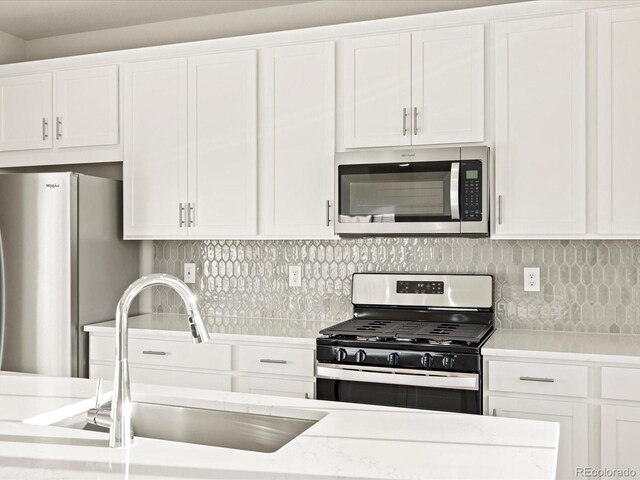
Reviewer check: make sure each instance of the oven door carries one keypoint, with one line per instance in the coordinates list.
(426, 390)
(391, 198)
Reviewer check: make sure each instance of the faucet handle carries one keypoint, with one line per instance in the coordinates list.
(98, 392)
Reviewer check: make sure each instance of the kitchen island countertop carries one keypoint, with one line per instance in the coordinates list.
(350, 441)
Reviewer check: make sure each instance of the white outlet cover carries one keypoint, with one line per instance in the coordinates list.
(189, 273)
(532, 279)
(295, 276)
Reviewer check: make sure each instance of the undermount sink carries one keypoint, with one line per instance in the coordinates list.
(219, 428)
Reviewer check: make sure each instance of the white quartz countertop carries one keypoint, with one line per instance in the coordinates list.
(220, 327)
(350, 441)
(584, 347)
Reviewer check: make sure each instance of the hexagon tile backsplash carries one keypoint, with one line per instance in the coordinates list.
(586, 286)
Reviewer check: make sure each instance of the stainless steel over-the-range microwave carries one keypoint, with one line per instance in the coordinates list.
(429, 191)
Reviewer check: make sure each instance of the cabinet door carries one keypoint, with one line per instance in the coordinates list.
(223, 144)
(25, 112)
(86, 106)
(377, 90)
(540, 125)
(619, 106)
(448, 85)
(279, 387)
(573, 450)
(155, 157)
(619, 437)
(297, 106)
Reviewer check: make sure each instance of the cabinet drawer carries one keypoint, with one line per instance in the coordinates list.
(540, 378)
(166, 353)
(156, 376)
(283, 361)
(621, 383)
(277, 387)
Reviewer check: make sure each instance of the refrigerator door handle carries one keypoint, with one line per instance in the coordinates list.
(2, 301)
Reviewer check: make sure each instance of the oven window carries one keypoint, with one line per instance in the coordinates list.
(405, 192)
(424, 398)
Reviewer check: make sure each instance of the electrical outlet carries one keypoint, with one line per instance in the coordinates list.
(532, 279)
(189, 273)
(295, 276)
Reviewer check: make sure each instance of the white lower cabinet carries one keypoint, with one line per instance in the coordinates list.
(246, 365)
(620, 434)
(573, 451)
(596, 404)
(276, 386)
(165, 376)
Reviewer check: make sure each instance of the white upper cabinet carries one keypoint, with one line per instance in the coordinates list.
(618, 119)
(377, 90)
(25, 112)
(223, 144)
(448, 85)
(297, 109)
(86, 107)
(414, 88)
(69, 108)
(155, 157)
(540, 126)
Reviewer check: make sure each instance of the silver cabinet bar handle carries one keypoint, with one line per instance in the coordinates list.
(328, 212)
(58, 128)
(415, 120)
(404, 122)
(499, 209)
(269, 360)
(153, 352)
(191, 218)
(181, 214)
(537, 379)
(45, 129)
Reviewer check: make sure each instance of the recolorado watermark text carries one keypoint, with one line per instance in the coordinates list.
(588, 472)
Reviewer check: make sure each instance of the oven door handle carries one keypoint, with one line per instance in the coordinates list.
(462, 381)
(454, 191)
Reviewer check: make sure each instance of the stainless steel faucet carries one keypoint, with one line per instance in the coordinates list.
(119, 421)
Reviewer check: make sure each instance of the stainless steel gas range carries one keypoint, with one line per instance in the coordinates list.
(414, 341)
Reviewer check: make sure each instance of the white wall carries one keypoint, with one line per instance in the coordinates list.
(287, 17)
(12, 49)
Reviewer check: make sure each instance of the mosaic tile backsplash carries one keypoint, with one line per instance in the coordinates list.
(586, 286)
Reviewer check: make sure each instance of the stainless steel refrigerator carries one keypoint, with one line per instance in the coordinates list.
(63, 264)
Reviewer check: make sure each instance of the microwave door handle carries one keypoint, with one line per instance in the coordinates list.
(454, 191)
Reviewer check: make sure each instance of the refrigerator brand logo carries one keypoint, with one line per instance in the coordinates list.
(408, 155)
(53, 185)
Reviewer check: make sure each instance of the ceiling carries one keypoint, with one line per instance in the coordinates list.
(35, 19)
(32, 19)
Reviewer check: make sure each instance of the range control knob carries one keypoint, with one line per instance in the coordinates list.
(341, 355)
(448, 361)
(361, 356)
(393, 358)
(427, 360)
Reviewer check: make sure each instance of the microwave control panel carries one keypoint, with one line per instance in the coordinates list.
(471, 191)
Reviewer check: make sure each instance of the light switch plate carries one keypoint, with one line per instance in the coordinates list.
(189, 273)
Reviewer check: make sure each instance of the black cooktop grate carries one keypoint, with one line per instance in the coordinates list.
(409, 330)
